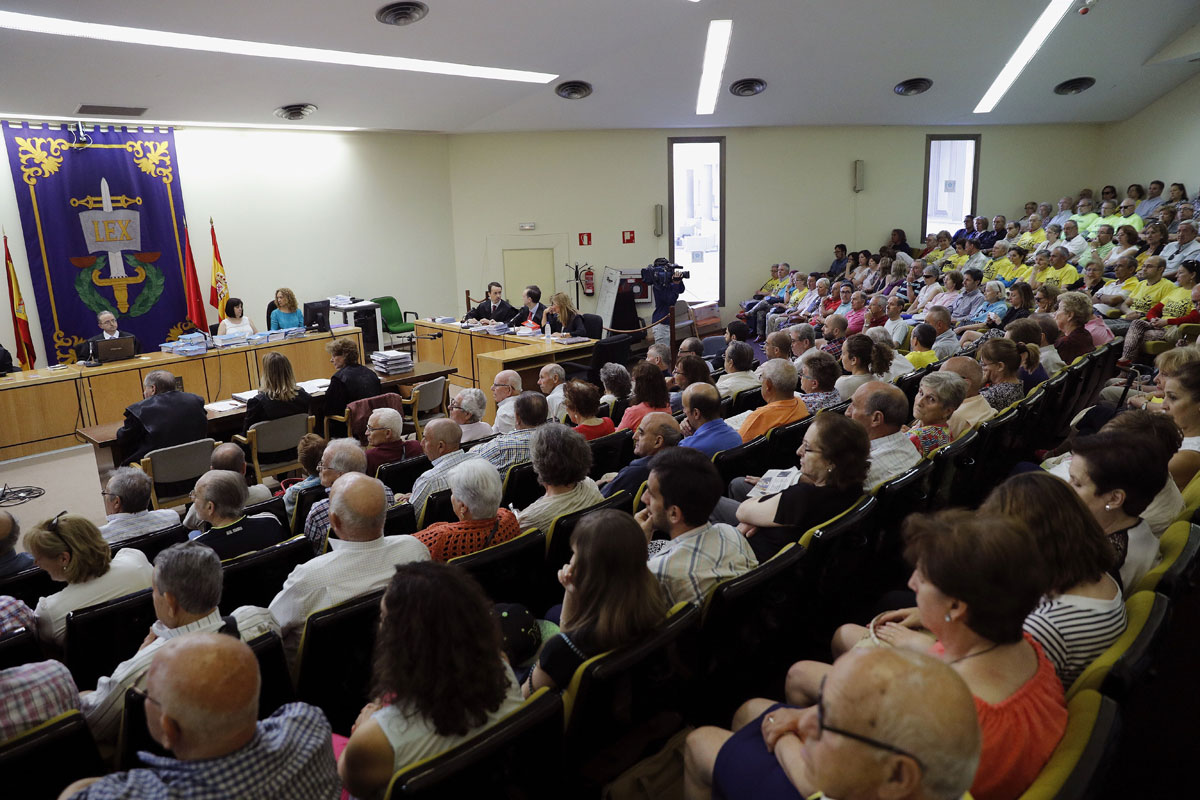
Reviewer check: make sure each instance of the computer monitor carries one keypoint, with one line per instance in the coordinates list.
(316, 316)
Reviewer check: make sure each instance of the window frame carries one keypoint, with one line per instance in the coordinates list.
(671, 142)
(930, 138)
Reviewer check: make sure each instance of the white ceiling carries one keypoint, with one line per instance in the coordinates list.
(826, 62)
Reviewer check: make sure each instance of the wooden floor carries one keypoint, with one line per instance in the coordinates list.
(70, 479)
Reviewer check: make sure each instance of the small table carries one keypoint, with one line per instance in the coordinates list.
(363, 305)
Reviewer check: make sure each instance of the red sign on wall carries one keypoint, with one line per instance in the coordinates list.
(585, 239)
(626, 237)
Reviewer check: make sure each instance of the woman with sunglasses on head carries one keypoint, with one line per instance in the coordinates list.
(72, 551)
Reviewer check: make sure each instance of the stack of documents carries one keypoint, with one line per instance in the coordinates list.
(446, 320)
(292, 333)
(244, 397)
(315, 386)
(229, 339)
(391, 362)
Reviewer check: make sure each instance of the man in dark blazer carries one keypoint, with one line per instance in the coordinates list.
(164, 418)
(494, 308)
(533, 308)
(108, 330)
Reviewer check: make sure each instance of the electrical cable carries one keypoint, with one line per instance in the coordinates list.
(16, 495)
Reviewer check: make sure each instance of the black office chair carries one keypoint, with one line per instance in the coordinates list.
(29, 586)
(399, 476)
(40, 763)
(154, 543)
(505, 570)
(335, 658)
(255, 578)
(100, 637)
(593, 325)
(611, 348)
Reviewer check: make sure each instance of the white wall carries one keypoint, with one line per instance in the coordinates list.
(1159, 143)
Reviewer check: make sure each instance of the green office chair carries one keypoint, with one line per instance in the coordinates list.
(395, 321)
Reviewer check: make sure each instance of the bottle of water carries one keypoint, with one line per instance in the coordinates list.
(546, 328)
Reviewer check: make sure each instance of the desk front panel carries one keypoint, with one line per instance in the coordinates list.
(38, 417)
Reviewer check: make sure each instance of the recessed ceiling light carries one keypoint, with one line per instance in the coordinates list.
(295, 111)
(1075, 85)
(573, 90)
(1040, 31)
(747, 87)
(405, 13)
(912, 87)
(716, 50)
(213, 44)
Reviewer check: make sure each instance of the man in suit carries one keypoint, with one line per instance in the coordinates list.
(108, 330)
(533, 309)
(165, 417)
(494, 308)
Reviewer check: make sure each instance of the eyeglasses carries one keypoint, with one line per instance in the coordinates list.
(142, 693)
(805, 447)
(53, 528)
(370, 429)
(822, 727)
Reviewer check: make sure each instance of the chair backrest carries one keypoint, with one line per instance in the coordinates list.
(998, 451)
(517, 753)
(839, 566)
(276, 688)
(29, 586)
(745, 459)
(399, 476)
(276, 435)
(505, 570)
(947, 461)
(20, 646)
(437, 508)
(748, 400)
(154, 543)
(612, 452)
(593, 325)
(270, 307)
(558, 538)
(1087, 750)
(1177, 549)
(390, 311)
(100, 637)
(134, 735)
(358, 412)
(784, 441)
(305, 499)
(400, 520)
(174, 470)
(910, 384)
(521, 486)
(618, 409)
(274, 506)
(611, 348)
(40, 763)
(1191, 497)
(430, 395)
(908, 493)
(1114, 671)
(255, 578)
(335, 658)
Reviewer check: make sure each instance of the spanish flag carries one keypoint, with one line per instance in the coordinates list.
(191, 285)
(219, 291)
(19, 318)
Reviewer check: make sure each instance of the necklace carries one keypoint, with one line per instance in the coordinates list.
(972, 655)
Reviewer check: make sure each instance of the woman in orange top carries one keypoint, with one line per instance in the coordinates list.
(475, 493)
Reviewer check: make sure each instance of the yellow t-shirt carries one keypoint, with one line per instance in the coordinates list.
(921, 358)
(1145, 296)
(1014, 273)
(1177, 303)
(1031, 239)
(1115, 220)
(955, 262)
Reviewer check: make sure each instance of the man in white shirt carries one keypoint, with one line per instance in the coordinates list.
(552, 380)
(126, 506)
(1073, 240)
(804, 338)
(974, 408)
(896, 326)
(186, 589)
(361, 561)
(883, 409)
(1185, 249)
(504, 392)
(1064, 212)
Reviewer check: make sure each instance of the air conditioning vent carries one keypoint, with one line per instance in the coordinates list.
(110, 111)
(573, 90)
(747, 87)
(1075, 85)
(295, 111)
(912, 87)
(405, 13)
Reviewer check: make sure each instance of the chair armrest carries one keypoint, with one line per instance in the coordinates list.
(335, 417)
(237, 437)
(406, 314)
(145, 466)
(312, 423)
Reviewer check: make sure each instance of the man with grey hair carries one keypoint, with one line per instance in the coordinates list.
(163, 418)
(660, 356)
(804, 338)
(12, 562)
(228, 456)
(361, 560)
(441, 443)
(341, 456)
(505, 391)
(467, 409)
(219, 499)
(882, 409)
(1073, 240)
(385, 439)
(946, 343)
(126, 505)
(974, 408)
(656, 431)
(186, 587)
(107, 323)
(552, 380)
(779, 390)
(1187, 248)
(739, 361)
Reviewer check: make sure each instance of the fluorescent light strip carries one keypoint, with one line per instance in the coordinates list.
(1033, 41)
(213, 44)
(716, 50)
(69, 119)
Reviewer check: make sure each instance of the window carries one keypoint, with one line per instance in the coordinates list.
(951, 181)
(696, 193)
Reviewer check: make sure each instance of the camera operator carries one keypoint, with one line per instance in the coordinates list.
(666, 280)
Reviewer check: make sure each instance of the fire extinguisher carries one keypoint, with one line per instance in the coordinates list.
(589, 282)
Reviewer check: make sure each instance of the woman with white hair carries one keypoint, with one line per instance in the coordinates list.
(938, 397)
(467, 409)
(385, 439)
(561, 458)
(475, 491)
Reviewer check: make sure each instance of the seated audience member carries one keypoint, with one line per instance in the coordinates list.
(975, 586)
(1109, 299)
(680, 495)
(107, 323)
(778, 345)
(360, 561)
(938, 397)
(351, 380)
(563, 319)
(654, 433)
(834, 459)
(649, 395)
(857, 315)
(505, 391)
(898, 365)
(610, 599)
(341, 456)
(231, 457)
(441, 444)
(512, 448)
(779, 390)
(278, 395)
(993, 304)
(1083, 611)
(37, 692)
(552, 381)
(863, 358)
(201, 705)
(953, 281)
(689, 369)
(1026, 333)
(818, 376)
(1020, 301)
(1181, 400)
(475, 492)
(1047, 353)
(945, 344)
(165, 417)
(11, 561)
(703, 425)
(72, 551)
(532, 312)
(561, 459)
(882, 409)
(467, 409)
(1149, 394)
(911, 718)
(385, 442)
(739, 363)
(1162, 322)
(974, 408)
(803, 338)
(126, 506)
(581, 400)
(834, 333)
(972, 298)
(434, 685)
(929, 290)
(219, 499)
(1118, 475)
(896, 326)
(617, 384)
(187, 587)
(660, 356)
(1151, 291)
(493, 309)
(921, 342)
(1002, 360)
(287, 313)
(309, 451)
(695, 347)
(1186, 247)
(1071, 315)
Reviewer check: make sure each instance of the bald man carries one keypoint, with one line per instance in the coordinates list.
(11, 562)
(441, 441)
(362, 559)
(201, 700)
(887, 723)
(505, 391)
(703, 425)
(883, 410)
(228, 456)
(655, 432)
(974, 409)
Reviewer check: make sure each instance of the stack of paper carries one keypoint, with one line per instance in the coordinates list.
(229, 339)
(523, 331)
(340, 300)
(315, 386)
(292, 333)
(244, 397)
(391, 362)
(188, 349)
(446, 320)
(223, 405)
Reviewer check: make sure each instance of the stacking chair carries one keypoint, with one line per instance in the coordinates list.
(305, 500)
(100, 637)
(784, 441)
(273, 444)
(505, 570)
(521, 486)
(395, 322)
(516, 757)
(40, 763)
(747, 400)
(399, 476)
(255, 578)
(1177, 549)
(558, 538)
(948, 460)
(437, 508)
(19, 646)
(154, 543)
(427, 403)
(29, 586)
(612, 452)
(1078, 766)
(745, 459)
(400, 520)
(1126, 661)
(335, 658)
(274, 506)
(174, 470)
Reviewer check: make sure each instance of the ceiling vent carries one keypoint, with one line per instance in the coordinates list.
(1075, 86)
(110, 111)
(747, 87)
(405, 13)
(912, 87)
(573, 90)
(295, 111)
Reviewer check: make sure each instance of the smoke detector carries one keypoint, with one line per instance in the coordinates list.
(1075, 85)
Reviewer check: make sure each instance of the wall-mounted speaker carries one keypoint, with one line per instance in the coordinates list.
(858, 175)
(658, 220)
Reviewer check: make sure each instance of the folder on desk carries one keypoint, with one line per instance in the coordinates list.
(244, 397)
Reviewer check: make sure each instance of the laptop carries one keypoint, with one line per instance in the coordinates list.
(119, 349)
